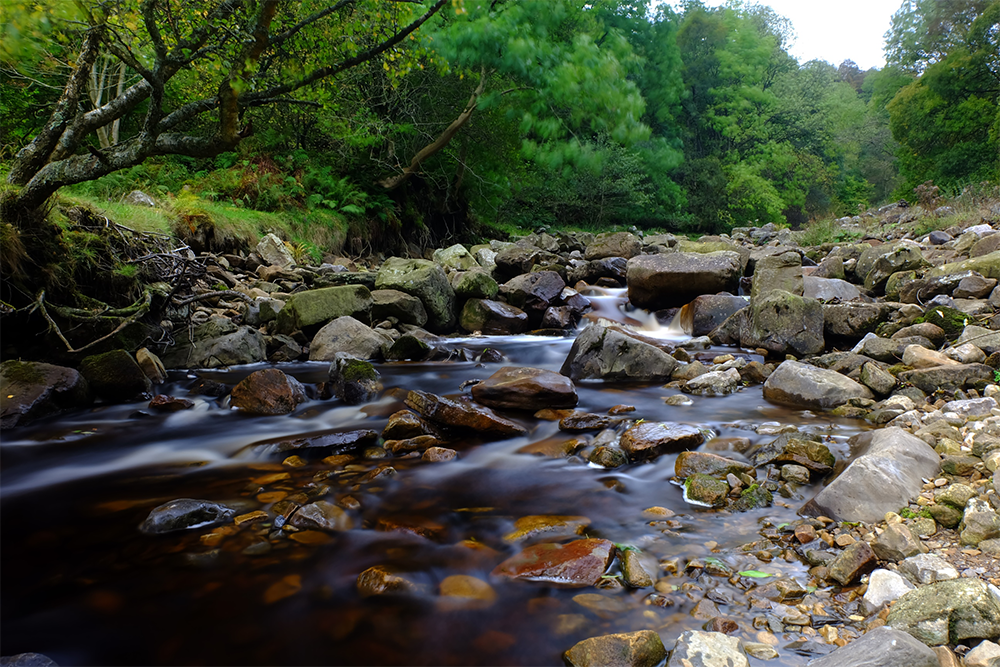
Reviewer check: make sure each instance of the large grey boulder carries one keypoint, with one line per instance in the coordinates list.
(215, 344)
(805, 386)
(606, 353)
(881, 647)
(784, 323)
(903, 256)
(707, 649)
(948, 378)
(887, 476)
(492, 318)
(407, 309)
(829, 289)
(613, 244)
(31, 390)
(426, 281)
(852, 321)
(455, 257)
(708, 311)
(675, 278)
(347, 335)
(315, 307)
(986, 265)
(947, 612)
(783, 272)
(533, 292)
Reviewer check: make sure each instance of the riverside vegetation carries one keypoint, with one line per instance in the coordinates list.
(347, 335)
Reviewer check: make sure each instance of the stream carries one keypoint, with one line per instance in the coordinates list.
(82, 585)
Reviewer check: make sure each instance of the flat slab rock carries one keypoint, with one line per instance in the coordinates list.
(462, 414)
(881, 647)
(185, 514)
(652, 438)
(573, 565)
(524, 388)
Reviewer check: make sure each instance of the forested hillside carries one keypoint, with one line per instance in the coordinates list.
(428, 119)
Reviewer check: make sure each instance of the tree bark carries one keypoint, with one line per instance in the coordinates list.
(393, 182)
(33, 157)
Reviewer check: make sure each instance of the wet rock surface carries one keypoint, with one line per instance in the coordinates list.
(185, 514)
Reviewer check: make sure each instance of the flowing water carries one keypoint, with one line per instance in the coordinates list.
(82, 585)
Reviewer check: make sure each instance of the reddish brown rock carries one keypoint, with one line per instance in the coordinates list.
(576, 564)
(404, 424)
(523, 388)
(462, 414)
(267, 392)
(652, 438)
(165, 403)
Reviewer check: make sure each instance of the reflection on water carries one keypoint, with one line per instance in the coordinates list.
(82, 585)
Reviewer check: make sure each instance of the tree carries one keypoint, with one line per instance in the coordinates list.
(203, 65)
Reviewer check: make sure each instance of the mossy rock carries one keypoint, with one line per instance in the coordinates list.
(951, 320)
(115, 376)
(753, 497)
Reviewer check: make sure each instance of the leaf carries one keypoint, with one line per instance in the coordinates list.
(351, 208)
(754, 574)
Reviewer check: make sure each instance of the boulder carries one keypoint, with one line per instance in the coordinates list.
(805, 386)
(185, 514)
(706, 463)
(708, 311)
(707, 649)
(308, 310)
(884, 586)
(673, 279)
(30, 390)
(917, 356)
(985, 339)
(829, 289)
(115, 376)
(321, 515)
(533, 292)
(653, 438)
(573, 565)
(426, 281)
(267, 392)
(407, 309)
(216, 343)
(607, 353)
(881, 647)
(613, 244)
(492, 318)
(888, 475)
(903, 256)
(274, 252)
(353, 381)
(408, 348)
(979, 522)
(714, 383)
(347, 335)
(455, 257)
(784, 323)
(778, 272)
(786, 448)
(987, 266)
(851, 321)
(524, 388)
(475, 284)
(462, 414)
(592, 271)
(947, 612)
(948, 378)
(151, 366)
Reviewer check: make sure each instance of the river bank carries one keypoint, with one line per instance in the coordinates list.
(400, 528)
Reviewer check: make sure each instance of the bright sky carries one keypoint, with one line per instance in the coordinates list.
(836, 30)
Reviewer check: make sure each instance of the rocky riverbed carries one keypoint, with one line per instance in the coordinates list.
(736, 450)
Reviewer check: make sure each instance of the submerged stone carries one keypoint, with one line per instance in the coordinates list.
(185, 514)
(576, 564)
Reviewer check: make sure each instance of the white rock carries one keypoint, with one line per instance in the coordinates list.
(884, 586)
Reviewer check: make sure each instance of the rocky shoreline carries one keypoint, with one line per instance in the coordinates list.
(898, 331)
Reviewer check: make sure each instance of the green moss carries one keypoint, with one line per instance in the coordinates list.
(907, 513)
(356, 370)
(22, 372)
(951, 320)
